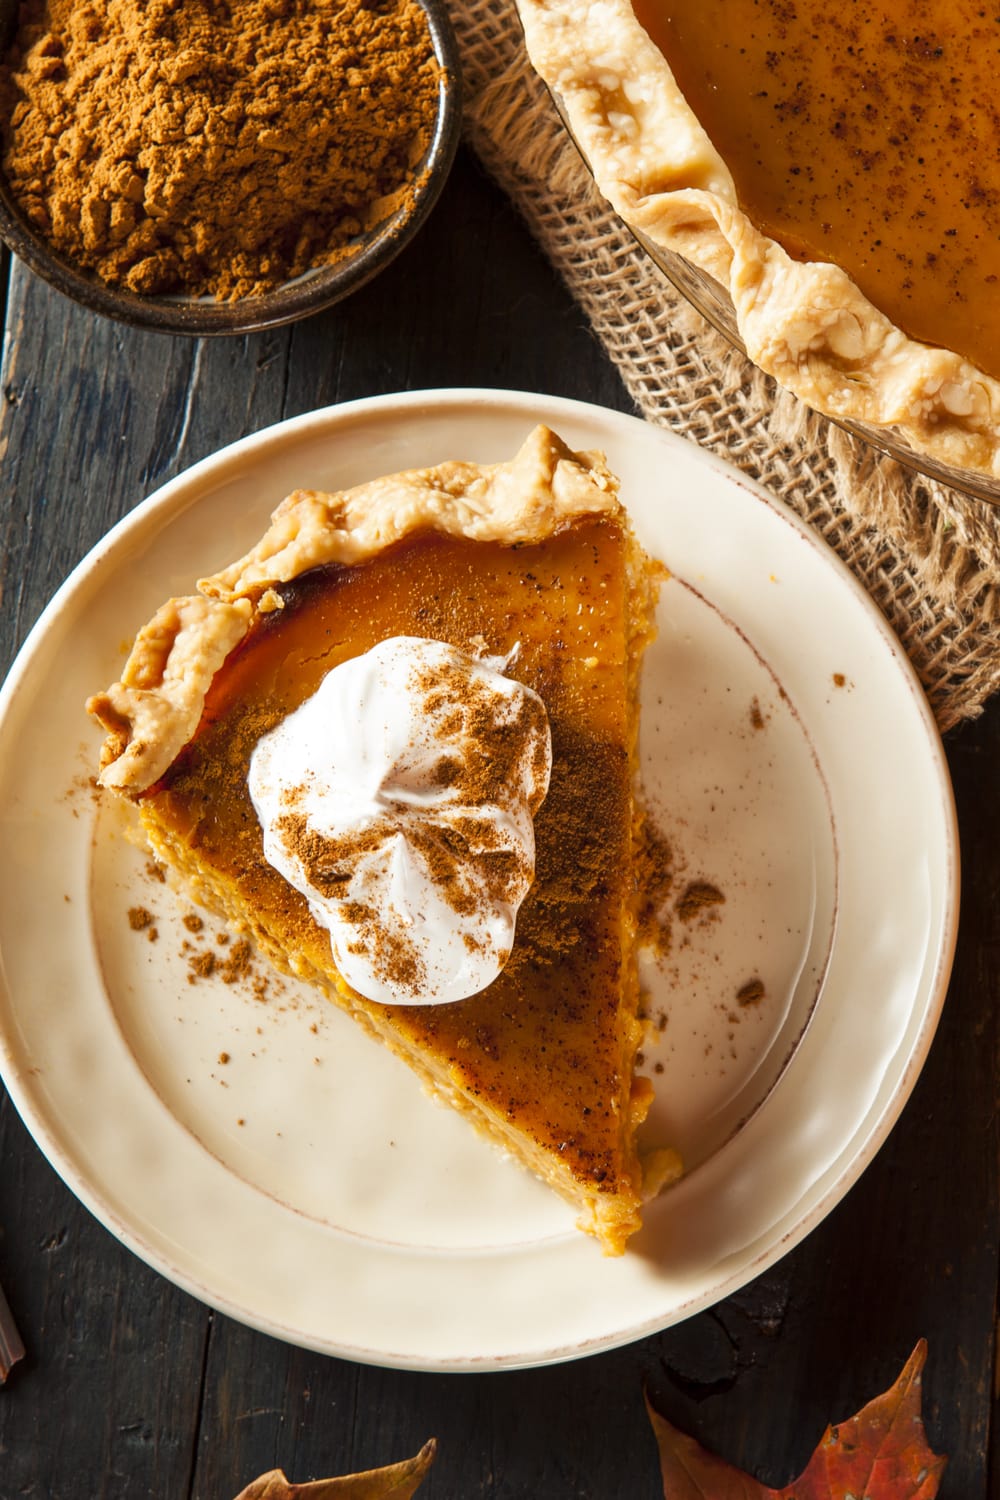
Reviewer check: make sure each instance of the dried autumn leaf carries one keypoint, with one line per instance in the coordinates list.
(881, 1454)
(396, 1482)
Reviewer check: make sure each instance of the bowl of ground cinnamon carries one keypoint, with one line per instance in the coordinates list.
(221, 166)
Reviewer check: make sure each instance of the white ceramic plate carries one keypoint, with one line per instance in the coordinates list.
(271, 1159)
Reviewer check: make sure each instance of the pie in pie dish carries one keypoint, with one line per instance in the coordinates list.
(530, 564)
(835, 170)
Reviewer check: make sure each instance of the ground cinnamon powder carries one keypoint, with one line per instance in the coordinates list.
(214, 146)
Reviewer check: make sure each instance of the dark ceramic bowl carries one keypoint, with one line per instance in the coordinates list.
(307, 294)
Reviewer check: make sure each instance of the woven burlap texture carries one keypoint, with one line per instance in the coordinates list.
(928, 556)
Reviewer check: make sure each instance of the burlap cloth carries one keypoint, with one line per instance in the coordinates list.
(928, 556)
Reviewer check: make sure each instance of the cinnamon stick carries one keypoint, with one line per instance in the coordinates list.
(11, 1347)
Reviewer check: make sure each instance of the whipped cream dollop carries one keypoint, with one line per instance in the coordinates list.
(399, 800)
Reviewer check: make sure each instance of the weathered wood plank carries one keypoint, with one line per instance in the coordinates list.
(106, 1400)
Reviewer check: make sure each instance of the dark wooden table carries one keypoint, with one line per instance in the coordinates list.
(131, 1388)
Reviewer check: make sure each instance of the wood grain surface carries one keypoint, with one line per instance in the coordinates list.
(130, 1387)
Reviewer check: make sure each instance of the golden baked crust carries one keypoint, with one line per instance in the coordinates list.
(535, 553)
(804, 322)
(155, 707)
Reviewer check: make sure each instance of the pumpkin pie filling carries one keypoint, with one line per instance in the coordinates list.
(863, 135)
(541, 1060)
(835, 172)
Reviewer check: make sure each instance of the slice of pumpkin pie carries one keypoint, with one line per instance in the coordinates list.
(396, 743)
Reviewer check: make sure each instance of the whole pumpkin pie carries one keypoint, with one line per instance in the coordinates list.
(835, 169)
(527, 570)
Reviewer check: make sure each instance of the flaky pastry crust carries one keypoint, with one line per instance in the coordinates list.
(807, 324)
(152, 712)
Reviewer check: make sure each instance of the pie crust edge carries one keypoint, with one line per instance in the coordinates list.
(805, 323)
(155, 707)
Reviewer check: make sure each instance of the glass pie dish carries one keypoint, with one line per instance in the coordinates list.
(712, 301)
(797, 314)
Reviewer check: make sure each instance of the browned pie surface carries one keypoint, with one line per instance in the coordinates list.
(863, 134)
(545, 1044)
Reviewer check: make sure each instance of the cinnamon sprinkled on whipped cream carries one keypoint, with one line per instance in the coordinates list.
(399, 800)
